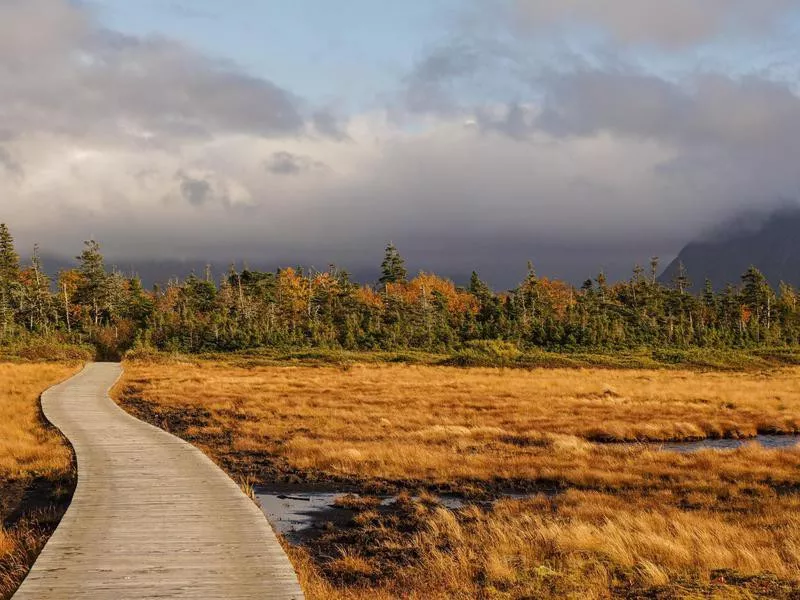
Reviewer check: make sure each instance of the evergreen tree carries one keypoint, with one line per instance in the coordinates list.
(709, 299)
(393, 268)
(682, 281)
(92, 290)
(38, 293)
(478, 288)
(758, 297)
(9, 259)
(138, 305)
(9, 279)
(297, 308)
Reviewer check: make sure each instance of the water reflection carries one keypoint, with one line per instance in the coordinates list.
(768, 441)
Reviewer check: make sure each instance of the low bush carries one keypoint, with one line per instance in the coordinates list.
(486, 353)
(45, 350)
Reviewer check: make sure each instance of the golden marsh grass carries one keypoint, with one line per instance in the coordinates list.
(29, 451)
(628, 521)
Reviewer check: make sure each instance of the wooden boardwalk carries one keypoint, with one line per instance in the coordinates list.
(152, 516)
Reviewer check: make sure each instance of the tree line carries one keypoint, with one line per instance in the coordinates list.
(296, 307)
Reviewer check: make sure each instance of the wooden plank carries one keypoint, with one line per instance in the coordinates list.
(152, 516)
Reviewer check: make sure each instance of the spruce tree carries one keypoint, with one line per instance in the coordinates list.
(9, 259)
(709, 299)
(393, 268)
(478, 287)
(681, 280)
(92, 290)
(9, 278)
(758, 296)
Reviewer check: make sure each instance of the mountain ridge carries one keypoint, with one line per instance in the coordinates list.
(773, 247)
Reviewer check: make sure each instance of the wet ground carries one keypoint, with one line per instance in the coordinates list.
(768, 441)
(302, 512)
(29, 511)
(305, 511)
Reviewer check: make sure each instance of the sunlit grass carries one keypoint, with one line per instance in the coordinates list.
(28, 451)
(629, 519)
(27, 448)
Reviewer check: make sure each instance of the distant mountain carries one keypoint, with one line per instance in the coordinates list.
(772, 244)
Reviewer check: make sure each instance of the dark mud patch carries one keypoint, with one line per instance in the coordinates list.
(383, 531)
(302, 513)
(24, 498)
(30, 511)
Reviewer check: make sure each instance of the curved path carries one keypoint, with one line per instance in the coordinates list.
(152, 516)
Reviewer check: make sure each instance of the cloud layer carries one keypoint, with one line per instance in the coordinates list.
(672, 23)
(486, 159)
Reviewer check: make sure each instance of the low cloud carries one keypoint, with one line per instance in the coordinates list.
(160, 151)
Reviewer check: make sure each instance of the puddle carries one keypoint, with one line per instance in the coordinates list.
(768, 441)
(294, 514)
(302, 514)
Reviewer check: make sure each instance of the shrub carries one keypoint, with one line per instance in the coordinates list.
(50, 351)
(486, 353)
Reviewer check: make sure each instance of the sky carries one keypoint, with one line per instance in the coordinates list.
(583, 135)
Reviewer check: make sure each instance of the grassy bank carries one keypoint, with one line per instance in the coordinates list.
(46, 350)
(610, 521)
(503, 354)
(36, 469)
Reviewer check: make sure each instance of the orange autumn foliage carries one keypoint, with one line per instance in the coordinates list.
(558, 294)
(369, 297)
(294, 290)
(425, 286)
